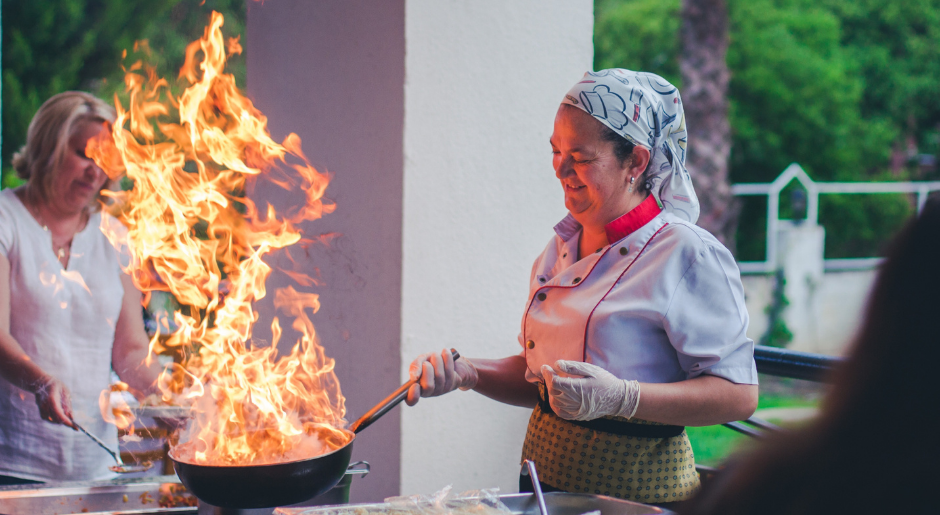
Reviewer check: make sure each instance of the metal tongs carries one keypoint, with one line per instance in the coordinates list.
(120, 467)
(536, 487)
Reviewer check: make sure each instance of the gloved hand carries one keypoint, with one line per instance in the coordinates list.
(597, 393)
(54, 401)
(439, 374)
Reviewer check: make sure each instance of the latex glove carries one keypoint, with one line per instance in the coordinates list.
(595, 394)
(55, 402)
(438, 374)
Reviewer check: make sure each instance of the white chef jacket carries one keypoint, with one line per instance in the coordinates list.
(661, 304)
(64, 319)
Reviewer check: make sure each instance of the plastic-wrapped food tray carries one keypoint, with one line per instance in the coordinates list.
(558, 503)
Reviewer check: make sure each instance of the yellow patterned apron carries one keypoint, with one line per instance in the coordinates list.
(582, 460)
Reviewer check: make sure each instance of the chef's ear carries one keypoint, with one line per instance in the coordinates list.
(639, 160)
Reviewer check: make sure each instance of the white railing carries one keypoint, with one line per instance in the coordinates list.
(813, 190)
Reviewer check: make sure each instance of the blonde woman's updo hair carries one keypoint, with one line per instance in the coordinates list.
(49, 132)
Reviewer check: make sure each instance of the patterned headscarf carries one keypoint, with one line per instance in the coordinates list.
(645, 109)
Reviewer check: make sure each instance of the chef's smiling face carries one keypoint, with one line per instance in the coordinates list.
(77, 180)
(594, 180)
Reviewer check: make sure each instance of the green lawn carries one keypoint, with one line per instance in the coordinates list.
(712, 444)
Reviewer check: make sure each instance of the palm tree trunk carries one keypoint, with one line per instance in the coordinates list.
(705, 95)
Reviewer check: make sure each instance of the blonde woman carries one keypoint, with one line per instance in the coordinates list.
(67, 311)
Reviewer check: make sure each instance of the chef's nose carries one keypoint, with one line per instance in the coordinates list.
(563, 167)
(93, 171)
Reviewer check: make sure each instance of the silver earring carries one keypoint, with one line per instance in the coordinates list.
(630, 187)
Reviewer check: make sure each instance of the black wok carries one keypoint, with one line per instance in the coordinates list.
(279, 484)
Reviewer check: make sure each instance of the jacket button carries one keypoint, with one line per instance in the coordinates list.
(530, 344)
(623, 251)
(576, 280)
(541, 296)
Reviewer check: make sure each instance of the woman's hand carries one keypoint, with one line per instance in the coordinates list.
(595, 394)
(55, 402)
(439, 374)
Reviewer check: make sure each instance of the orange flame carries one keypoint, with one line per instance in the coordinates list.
(191, 231)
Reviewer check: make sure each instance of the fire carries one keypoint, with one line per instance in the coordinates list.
(192, 231)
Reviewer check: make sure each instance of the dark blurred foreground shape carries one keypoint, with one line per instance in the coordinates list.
(874, 448)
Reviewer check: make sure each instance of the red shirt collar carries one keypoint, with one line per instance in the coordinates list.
(633, 220)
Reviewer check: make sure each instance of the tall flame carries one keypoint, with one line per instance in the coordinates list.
(191, 231)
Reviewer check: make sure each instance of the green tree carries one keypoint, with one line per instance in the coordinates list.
(50, 46)
(704, 66)
(778, 334)
(638, 35)
(830, 85)
(895, 46)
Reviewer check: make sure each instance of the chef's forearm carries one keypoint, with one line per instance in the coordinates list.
(703, 401)
(504, 380)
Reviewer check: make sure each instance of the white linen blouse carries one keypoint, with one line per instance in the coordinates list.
(661, 304)
(64, 318)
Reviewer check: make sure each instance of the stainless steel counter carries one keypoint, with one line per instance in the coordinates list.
(125, 496)
(136, 496)
(165, 495)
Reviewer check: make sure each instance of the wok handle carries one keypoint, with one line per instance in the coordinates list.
(388, 403)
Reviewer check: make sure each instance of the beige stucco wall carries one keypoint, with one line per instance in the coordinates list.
(483, 81)
(333, 72)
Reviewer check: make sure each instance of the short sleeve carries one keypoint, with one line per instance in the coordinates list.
(7, 232)
(706, 321)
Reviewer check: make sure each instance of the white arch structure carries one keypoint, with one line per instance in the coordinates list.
(813, 190)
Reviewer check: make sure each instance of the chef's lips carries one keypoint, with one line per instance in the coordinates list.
(193, 232)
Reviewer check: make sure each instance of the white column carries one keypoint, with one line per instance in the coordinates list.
(800, 255)
(483, 81)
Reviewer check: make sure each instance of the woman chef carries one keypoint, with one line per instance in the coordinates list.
(68, 313)
(636, 322)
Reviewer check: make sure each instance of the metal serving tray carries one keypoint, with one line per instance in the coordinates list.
(127, 496)
(136, 496)
(558, 503)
